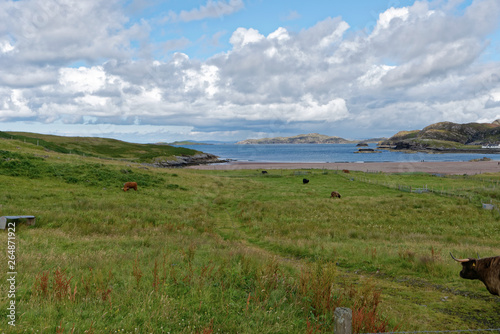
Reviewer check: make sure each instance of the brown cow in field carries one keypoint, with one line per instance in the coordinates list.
(345, 171)
(486, 270)
(335, 194)
(130, 185)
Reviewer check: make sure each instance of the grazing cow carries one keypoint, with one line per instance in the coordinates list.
(130, 185)
(335, 194)
(264, 172)
(304, 181)
(486, 270)
(345, 171)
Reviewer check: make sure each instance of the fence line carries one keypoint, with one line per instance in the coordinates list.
(454, 192)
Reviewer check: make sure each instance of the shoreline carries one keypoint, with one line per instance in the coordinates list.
(431, 167)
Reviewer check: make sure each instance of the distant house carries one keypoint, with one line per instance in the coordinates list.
(491, 146)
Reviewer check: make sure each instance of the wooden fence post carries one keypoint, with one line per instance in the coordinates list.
(343, 320)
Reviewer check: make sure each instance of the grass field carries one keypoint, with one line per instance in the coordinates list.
(97, 147)
(238, 251)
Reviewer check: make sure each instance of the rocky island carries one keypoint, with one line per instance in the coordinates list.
(311, 138)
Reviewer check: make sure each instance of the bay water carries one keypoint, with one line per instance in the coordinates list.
(325, 153)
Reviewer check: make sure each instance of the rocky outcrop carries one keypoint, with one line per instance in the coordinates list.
(434, 147)
(447, 137)
(187, 160)
(367, 150)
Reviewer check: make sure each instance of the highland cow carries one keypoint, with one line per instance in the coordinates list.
(487, 270)
(130, 185)
(335, 194)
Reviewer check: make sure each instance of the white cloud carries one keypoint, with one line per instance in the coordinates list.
(310, 109)
(5, 46)
(28, 76)
(242, 37)
(55, 31)
(326, 33)
(374, 75)
(335, 36)
(213, 9)
(86, 80)
(280, 34)
(419, 65)
(13, 105)
(386, 18)
(205, 80)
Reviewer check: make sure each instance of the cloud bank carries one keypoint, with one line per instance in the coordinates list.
(80, 63)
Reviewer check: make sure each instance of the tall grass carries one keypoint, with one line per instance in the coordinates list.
(208, 252)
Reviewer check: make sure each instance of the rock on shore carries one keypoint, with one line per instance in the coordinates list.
(188, 160)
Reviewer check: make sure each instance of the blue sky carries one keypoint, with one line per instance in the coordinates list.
(150, 70)
(265, 16)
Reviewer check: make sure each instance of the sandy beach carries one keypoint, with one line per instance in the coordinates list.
(433, 167)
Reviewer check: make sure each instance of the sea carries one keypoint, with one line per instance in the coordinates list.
(325, 153)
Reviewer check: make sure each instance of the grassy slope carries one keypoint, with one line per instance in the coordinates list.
(238, 251)
(101, 147)
(449, 135)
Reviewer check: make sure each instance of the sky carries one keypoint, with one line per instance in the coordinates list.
(149, 71)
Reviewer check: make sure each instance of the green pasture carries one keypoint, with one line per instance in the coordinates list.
(93, 146)
(240, 251)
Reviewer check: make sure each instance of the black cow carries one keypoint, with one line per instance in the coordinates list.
(304, 181)
(264, 172)
(486, 270)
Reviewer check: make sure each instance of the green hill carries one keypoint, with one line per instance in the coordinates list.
(100, 147)
(447, 135)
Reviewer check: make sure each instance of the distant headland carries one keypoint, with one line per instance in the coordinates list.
(311, 138)
(448, 137)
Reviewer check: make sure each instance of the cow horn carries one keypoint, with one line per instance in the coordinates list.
(458, 260)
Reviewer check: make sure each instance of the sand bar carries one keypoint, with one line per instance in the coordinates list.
(433, 167)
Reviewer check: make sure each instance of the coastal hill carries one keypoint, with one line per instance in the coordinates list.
(447, 136)
(107, 148)
(311, 138)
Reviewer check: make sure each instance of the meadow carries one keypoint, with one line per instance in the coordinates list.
(239, 251)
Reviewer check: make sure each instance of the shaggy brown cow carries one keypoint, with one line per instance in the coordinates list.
(130, 185)
(345, 171)
(335, 194)
(486, 270)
